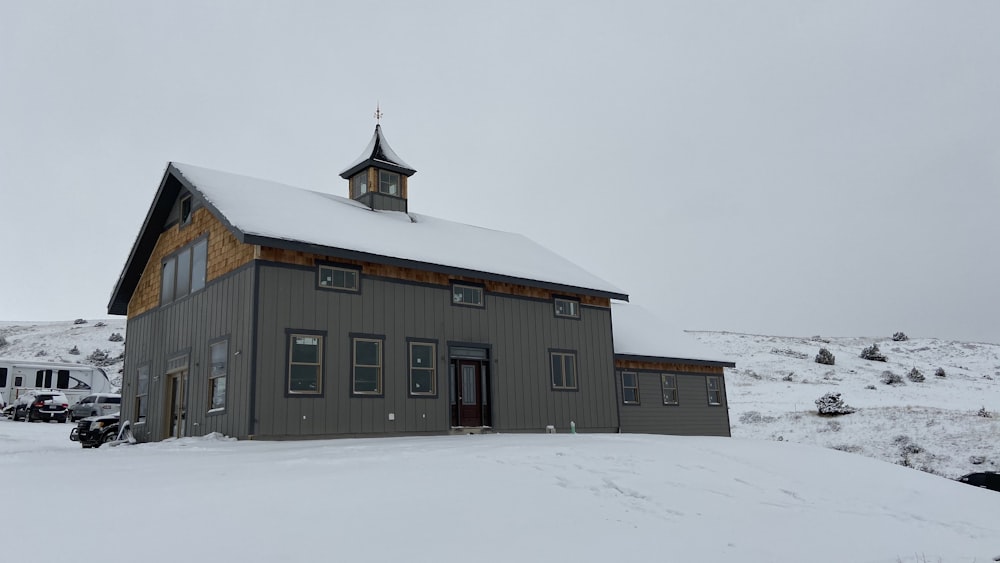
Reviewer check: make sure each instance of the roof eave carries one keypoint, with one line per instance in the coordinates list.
(344, 253)
(382, 164)
(673, 360)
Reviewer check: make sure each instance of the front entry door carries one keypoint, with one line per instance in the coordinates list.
(176, 404)
(470, 393)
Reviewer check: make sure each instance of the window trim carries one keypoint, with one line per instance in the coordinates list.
(708, 390)
(555, 307)
(189, 200)
(399, 183)
(664, 388)
(356, 270)
(212, 378)
(433, 393)
(291, 333)
(380, 381)
(172, 259)
(482, 294)
(139, 396)
(635, 376)
(553, 352)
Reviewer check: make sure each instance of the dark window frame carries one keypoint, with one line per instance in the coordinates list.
(433, 393)
(635, 379)
(664, 388)
(172, 261)
(708, 389)
(399, 182)
(213, 379)
(380, 376)
(354, 184)
(142, 395)
(479, 287)
(553, 353)
(576, 305)
(356, 270)
(185, 215)
(291, 333)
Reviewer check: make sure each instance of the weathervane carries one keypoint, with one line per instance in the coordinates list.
(378, 112)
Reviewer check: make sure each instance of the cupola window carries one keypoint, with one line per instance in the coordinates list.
(359, 184)
(388, 182)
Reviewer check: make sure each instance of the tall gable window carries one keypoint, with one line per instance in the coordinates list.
(630, 388)
(142, 393)
(569, 308)
(184, 272)
(367, 368)
(186, 209)
(388, 182)
(669, 383)
(423, 373)
(333, 277)
(714, 390)
(305, 364)
(467, 295)
(359, 184)
(219, 357)
(563, 370)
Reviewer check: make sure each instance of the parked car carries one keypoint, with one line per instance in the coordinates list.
(41, 405)
(96, 404)
(987, 480)
(93, 431)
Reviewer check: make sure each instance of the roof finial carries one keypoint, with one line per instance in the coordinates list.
(378, 112)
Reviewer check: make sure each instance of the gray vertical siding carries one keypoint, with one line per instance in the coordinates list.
(518, 331)
(693, 416)
(223, 308)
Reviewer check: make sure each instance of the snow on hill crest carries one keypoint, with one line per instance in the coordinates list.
(53, 341)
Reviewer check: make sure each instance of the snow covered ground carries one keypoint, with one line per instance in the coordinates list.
(494, 498)
(932, 425)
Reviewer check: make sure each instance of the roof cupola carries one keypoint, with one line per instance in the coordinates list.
(378, 177)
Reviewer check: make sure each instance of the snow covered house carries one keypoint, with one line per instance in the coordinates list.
(261, 310)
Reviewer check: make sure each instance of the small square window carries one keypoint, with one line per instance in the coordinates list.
(714, 390)
(332, 277)
(669, 383)
(467, 295)
(563, 370)
(567, 308)
(388, 182)
(630, 388)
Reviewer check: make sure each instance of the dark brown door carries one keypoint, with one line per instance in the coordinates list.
(470, 393)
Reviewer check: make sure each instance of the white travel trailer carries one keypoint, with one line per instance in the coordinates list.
(74, 380)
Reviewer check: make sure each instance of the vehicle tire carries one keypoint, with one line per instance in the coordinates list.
(109, 437)
(64, 420)
(27, 416)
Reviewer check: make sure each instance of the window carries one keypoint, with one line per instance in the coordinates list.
(714, 390)
(305, 364)
(3, 377)
(567, 308)
(62, 379)
(43, 378)
(669, 384)
(359, 184)
(142, 393)
(219, 360)
(184, 272)
(423, 374)
(332, 277)
(388, 182)
(630, 388)
(367, 369)
(18, 381)
(563, 370)
(186, 209)
(467, 295)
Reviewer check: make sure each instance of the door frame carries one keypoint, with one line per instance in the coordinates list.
(177, 376)
(464, 353)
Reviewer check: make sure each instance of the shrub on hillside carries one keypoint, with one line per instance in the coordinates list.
(99, 324)
(900, 337)
(41, 353)
(80, 322)
(872, 353)
(890, 378)
(915, 376)
(3, 342)
(871, 387)
(825, 357)
(103, 358)
(984, 413)
(116, 337)
(939, 372)
(75, 351)
(832, 405)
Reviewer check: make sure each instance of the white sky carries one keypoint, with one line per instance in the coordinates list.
(775, 167)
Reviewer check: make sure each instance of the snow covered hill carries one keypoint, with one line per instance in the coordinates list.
(936, 425)
(54, 342)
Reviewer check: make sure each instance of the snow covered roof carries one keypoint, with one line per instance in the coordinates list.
(378, 153)
(640, 333)
(274, 214)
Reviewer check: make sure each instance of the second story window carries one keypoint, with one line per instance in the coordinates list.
(388, 183)
(567, 308)
(184, 272)
(333, 277)
(467, 295)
